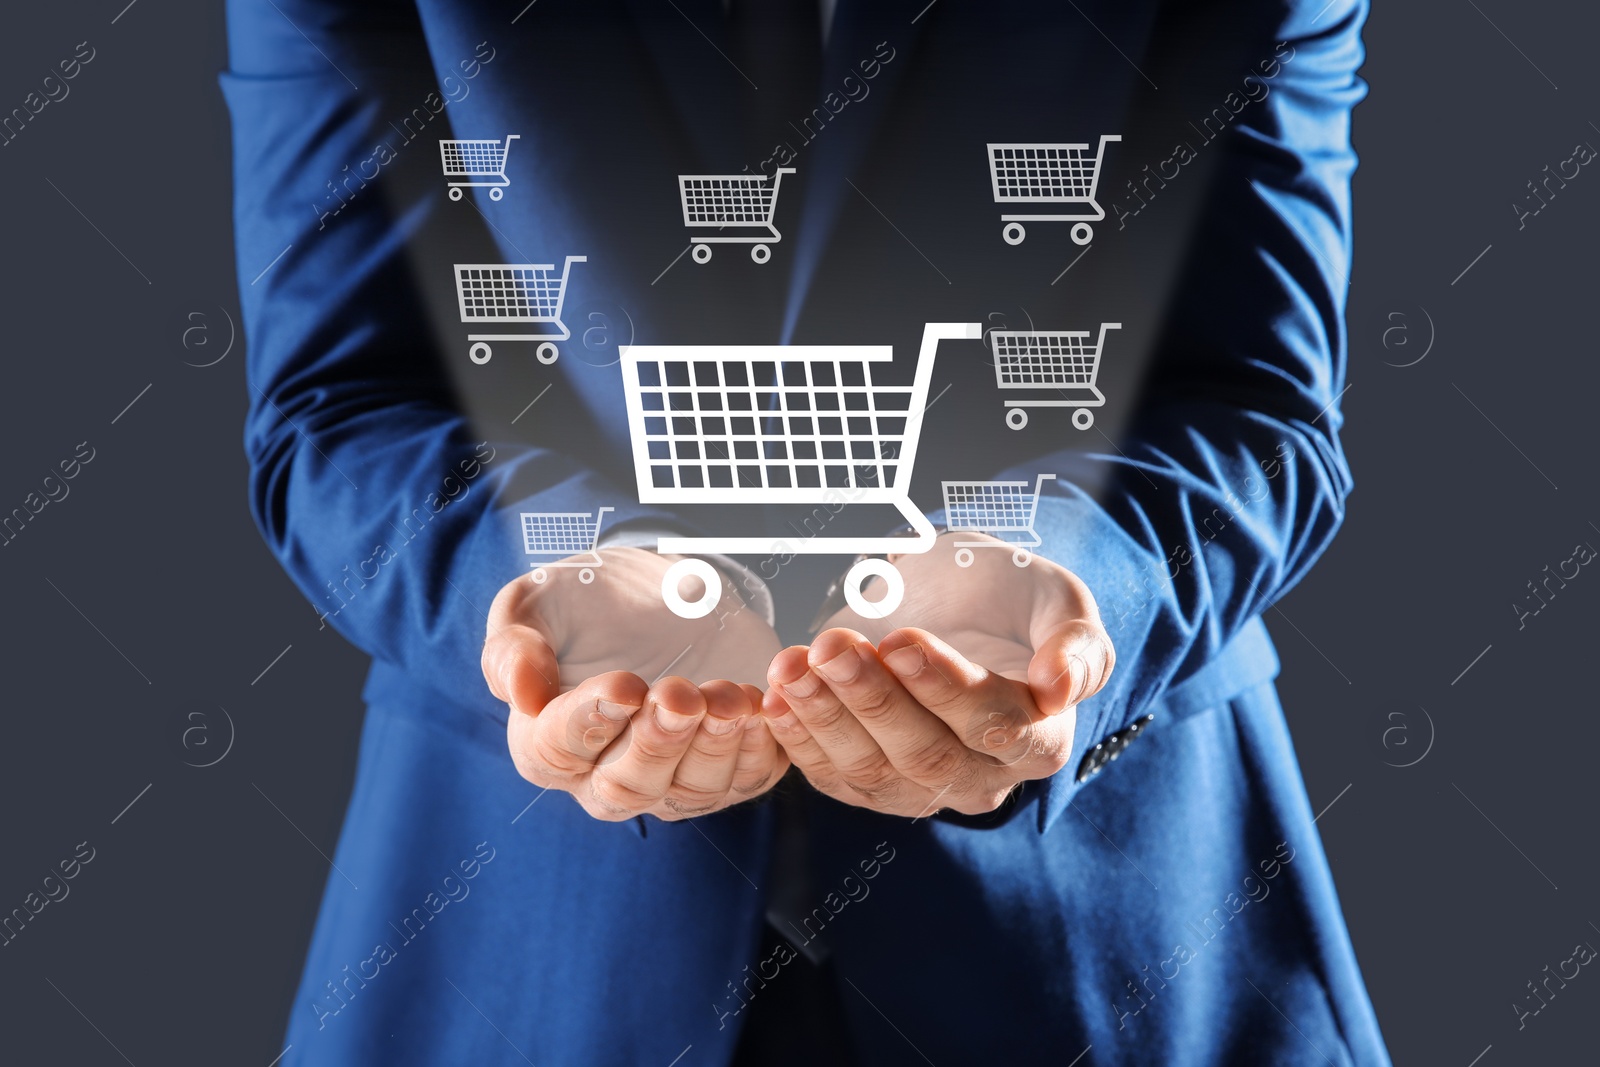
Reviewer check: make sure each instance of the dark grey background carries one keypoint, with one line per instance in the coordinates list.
(141, 610)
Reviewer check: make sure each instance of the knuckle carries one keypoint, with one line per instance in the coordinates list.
(603, 814)
(938, 693)
(527, 763)
(1053, 756)
(983, 802)
(750, 786)
(654, 750)
(939, 762)
(1001, 728)
(617, 797)
(876, 702)
(879, 783)
(557, 760)
(689, 801)
(824, 716)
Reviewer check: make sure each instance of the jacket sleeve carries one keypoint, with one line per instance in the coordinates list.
(391, 512)
(1229, 481)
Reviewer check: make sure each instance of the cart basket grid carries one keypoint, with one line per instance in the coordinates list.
(526, 292)
(768, 430)
(1026, 358)
(727, 200)
(471, 159)
(1042, 171)
(558, 533)
(989, 506)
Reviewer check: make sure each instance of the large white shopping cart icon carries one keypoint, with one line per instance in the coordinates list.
(1003, 509)
(1059, 173)
(796, 424)
(477, 159)
(732, 200)
(514, 292)
(1060, 359)
(563, 534)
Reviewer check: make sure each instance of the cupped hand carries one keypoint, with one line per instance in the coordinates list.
(969, 689)
(594, 711)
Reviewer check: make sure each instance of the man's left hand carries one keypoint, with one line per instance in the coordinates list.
(975, 693)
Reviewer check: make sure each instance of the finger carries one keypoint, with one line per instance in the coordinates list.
(521, 668)
(989, 713)
(762, 761)
(578, 727)
(797, 743)
(823, 692)
(635, 771)
(570, 734)
(705, 773)
(1071, 665)
(919, 744)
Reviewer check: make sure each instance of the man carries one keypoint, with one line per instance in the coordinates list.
(954, 870)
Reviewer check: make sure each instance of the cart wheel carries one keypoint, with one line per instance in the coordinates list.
(547, 353)
(587, 574)
(455, 193)
(1022, 557)
(1013, 233)
(760, 253)
(702, 253)
(1016, 418)
(1083, 418)
(702, 570)
(1082, 233)
(540, 576)
(479, 352)
(864, 572)
(964, 557)
(496, 194)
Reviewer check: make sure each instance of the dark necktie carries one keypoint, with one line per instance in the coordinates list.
(778, 45)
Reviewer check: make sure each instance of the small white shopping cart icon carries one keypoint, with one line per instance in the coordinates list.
(1060, 173)
(563, 535)
(514, 292)
(1062, 360)
(1004, 509)
(781, 424)
(477, 159)
(732, 200)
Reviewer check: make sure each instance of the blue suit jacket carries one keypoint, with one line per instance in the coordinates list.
(1174, 908)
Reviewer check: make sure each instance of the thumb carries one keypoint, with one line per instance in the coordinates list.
(1071, 665)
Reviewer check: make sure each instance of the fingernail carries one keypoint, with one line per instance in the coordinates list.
(613, 711)
(721, 727)
(842, 668)
(803, 687)
(906, 661)
(1083, 678)
(674, 721)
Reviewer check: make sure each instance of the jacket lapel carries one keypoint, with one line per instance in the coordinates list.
(688, 43)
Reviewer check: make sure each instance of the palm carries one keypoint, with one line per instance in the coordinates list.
(993, 612)
(619, 623)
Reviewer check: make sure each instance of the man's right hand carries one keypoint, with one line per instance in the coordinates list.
(572, 661)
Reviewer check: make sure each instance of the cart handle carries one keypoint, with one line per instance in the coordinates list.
(1100, 152)
(566, 266)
